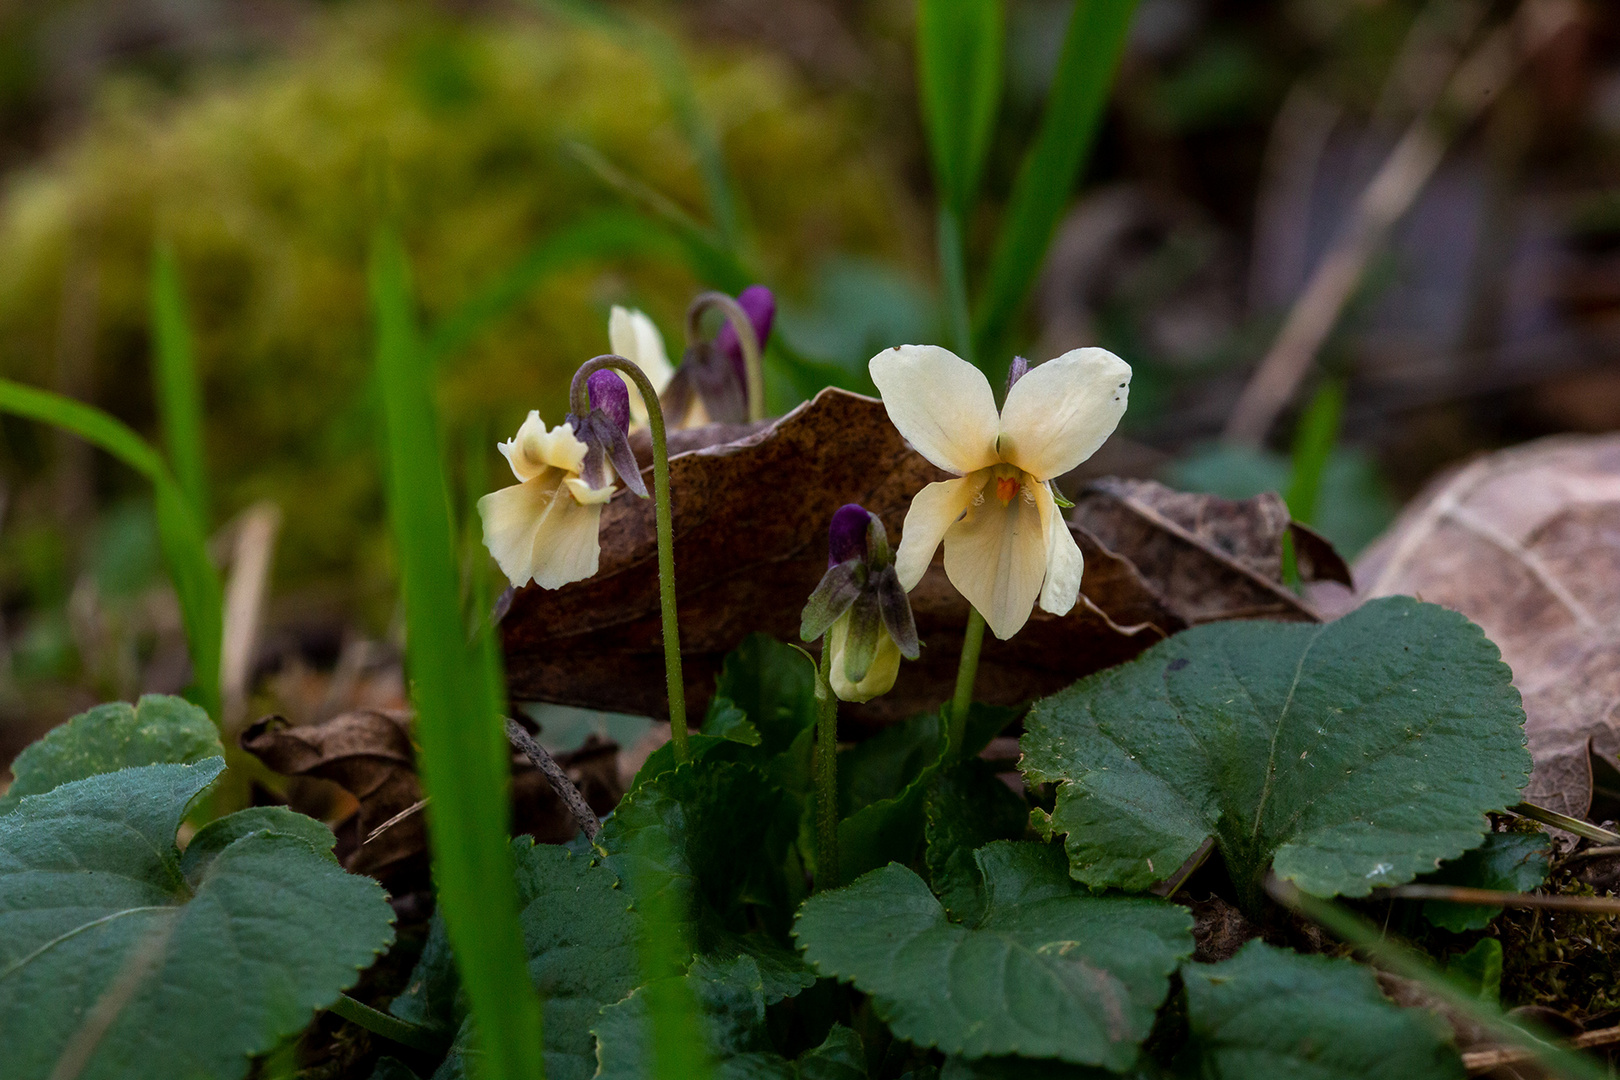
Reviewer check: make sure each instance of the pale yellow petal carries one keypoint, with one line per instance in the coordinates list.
(1064, 563)
(534, 448)
(634, 336)
(1062, 411)
(879, 677)
(996, 557)
(567, 547)
(933, 511)
(511, 518)
(941, 403)
(586, 495)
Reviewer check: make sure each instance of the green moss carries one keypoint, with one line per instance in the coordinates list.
(1563, 960)
(260, 180)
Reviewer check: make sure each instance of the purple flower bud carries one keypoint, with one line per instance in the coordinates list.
(1019, 368)
(846, 538)
(760, 307)
(608, 393)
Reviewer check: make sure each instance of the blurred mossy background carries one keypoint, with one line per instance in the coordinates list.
(264, 181)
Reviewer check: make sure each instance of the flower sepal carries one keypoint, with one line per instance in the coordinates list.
(860, 609)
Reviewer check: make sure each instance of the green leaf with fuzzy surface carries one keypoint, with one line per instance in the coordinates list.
(1345, 756)
(731, 1002)
(1047, 972)
(1271, 1012)
(582, 941)
(158, 729)
(184, 965)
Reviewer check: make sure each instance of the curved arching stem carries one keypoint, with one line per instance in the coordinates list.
(743, 326)
(580, 404)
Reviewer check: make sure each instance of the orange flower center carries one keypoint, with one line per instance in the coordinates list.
(1006, 488)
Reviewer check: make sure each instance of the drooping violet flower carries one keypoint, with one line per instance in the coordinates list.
(711, 384)
(1006, 544)
(860, 608)
(544, 528)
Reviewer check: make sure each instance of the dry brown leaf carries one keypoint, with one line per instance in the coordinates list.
(1208, 558)
(1526, 543)
(369, 754)
(750, 521)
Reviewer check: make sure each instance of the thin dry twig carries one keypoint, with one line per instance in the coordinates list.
(1477, 81)
(564, 787)
(1483, 1061)
(253, 553)
(415, 808)
(1458, 894)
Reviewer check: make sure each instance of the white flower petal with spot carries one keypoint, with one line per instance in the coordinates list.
(1062, 411)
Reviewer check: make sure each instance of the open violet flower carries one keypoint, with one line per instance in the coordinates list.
(860, 608)
(711, 385)
(1006, 544)
(544, 528)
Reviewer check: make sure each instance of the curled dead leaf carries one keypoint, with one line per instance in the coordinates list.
(1209, 558)
(369, 754)
(750, 524)
(1523, 543)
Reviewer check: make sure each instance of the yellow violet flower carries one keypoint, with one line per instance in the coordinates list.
(1006, 544)
(544, 528)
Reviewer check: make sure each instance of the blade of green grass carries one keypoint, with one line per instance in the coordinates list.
(959, 58)
(180, 534)
(1091, 52)
(174, 377)
(1314, 439)
(464, 760)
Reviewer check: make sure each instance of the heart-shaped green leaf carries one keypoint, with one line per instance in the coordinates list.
(1270, 1012)
(155, 730)
(120, 953)
(1345, 756)
(1047, 972)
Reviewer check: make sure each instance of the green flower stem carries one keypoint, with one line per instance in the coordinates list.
(753, 362)
(389, 1027)
(826, 774)
(966, 671)
(581, 404)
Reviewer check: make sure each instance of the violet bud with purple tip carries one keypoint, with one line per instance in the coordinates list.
(605, 433)
(860, 608)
